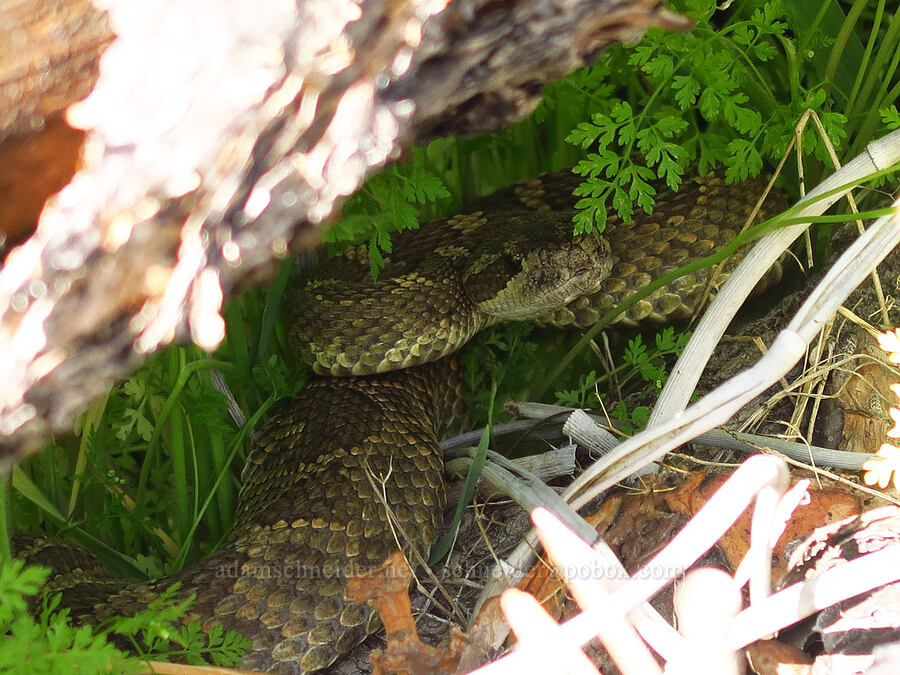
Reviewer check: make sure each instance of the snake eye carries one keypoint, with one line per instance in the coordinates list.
(537, 277)
(516, 252)
(581, 271)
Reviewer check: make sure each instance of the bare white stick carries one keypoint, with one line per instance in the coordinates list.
(533, 625)
(718, 406)
(590, 584)
(545, 466)
(583, 428)
(759, 557)
(697, 537)
(803, 599)
(706, 603)
(675, 395)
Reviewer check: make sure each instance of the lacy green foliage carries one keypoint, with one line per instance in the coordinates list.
(496, 365)
(16, 582)
(651, 365)
(711, 96)
(585, 395)
(144, 404)
(157, 632)
(630, 420)
(638, 363)
(891, 117)
(49, 643)
(385, 204)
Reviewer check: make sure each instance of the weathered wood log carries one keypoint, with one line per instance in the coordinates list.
(32, 168)
(49, 58)
(222, 134)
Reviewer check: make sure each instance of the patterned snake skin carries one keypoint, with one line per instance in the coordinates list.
(310, 510)
(344, 324)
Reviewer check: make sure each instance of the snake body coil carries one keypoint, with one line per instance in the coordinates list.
(309, 511)
(512, 256)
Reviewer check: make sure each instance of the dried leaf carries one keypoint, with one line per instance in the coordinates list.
(386, 588)
(771, 657)
(826, 505)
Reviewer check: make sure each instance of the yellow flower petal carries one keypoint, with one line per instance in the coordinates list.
(894, 432)
(890, 342)
(878, 476)
(880, 471)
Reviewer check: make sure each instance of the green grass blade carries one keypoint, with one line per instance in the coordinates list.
(442, 547)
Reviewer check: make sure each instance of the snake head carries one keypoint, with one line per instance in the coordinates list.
(535, 265)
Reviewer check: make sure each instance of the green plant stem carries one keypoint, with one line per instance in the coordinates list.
(790, 54)
(840, 42)
(870, 46)
(442, 547)
(169, 405)
(892, 95)
(90, 426)
(179, 472)
(880, 76)
(238, 349)
(195, 465)
(224, 493)
(202, 437)
(236, 445)
(271, 307)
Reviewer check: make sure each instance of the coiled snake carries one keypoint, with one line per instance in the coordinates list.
(308, 512)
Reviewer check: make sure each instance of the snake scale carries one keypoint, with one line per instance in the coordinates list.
(309, 510)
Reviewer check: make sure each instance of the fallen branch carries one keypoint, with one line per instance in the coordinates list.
(221, 135)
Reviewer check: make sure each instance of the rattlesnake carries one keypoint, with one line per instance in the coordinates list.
(309, 511)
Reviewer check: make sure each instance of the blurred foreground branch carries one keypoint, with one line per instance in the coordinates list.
(220, 136)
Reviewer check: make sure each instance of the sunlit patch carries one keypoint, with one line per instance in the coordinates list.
(118, 232)
(207, 325)
(885, 467)
(467, 224)
(231, 252)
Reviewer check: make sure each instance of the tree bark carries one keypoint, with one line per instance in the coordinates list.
(51, 50)
(221, 135)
